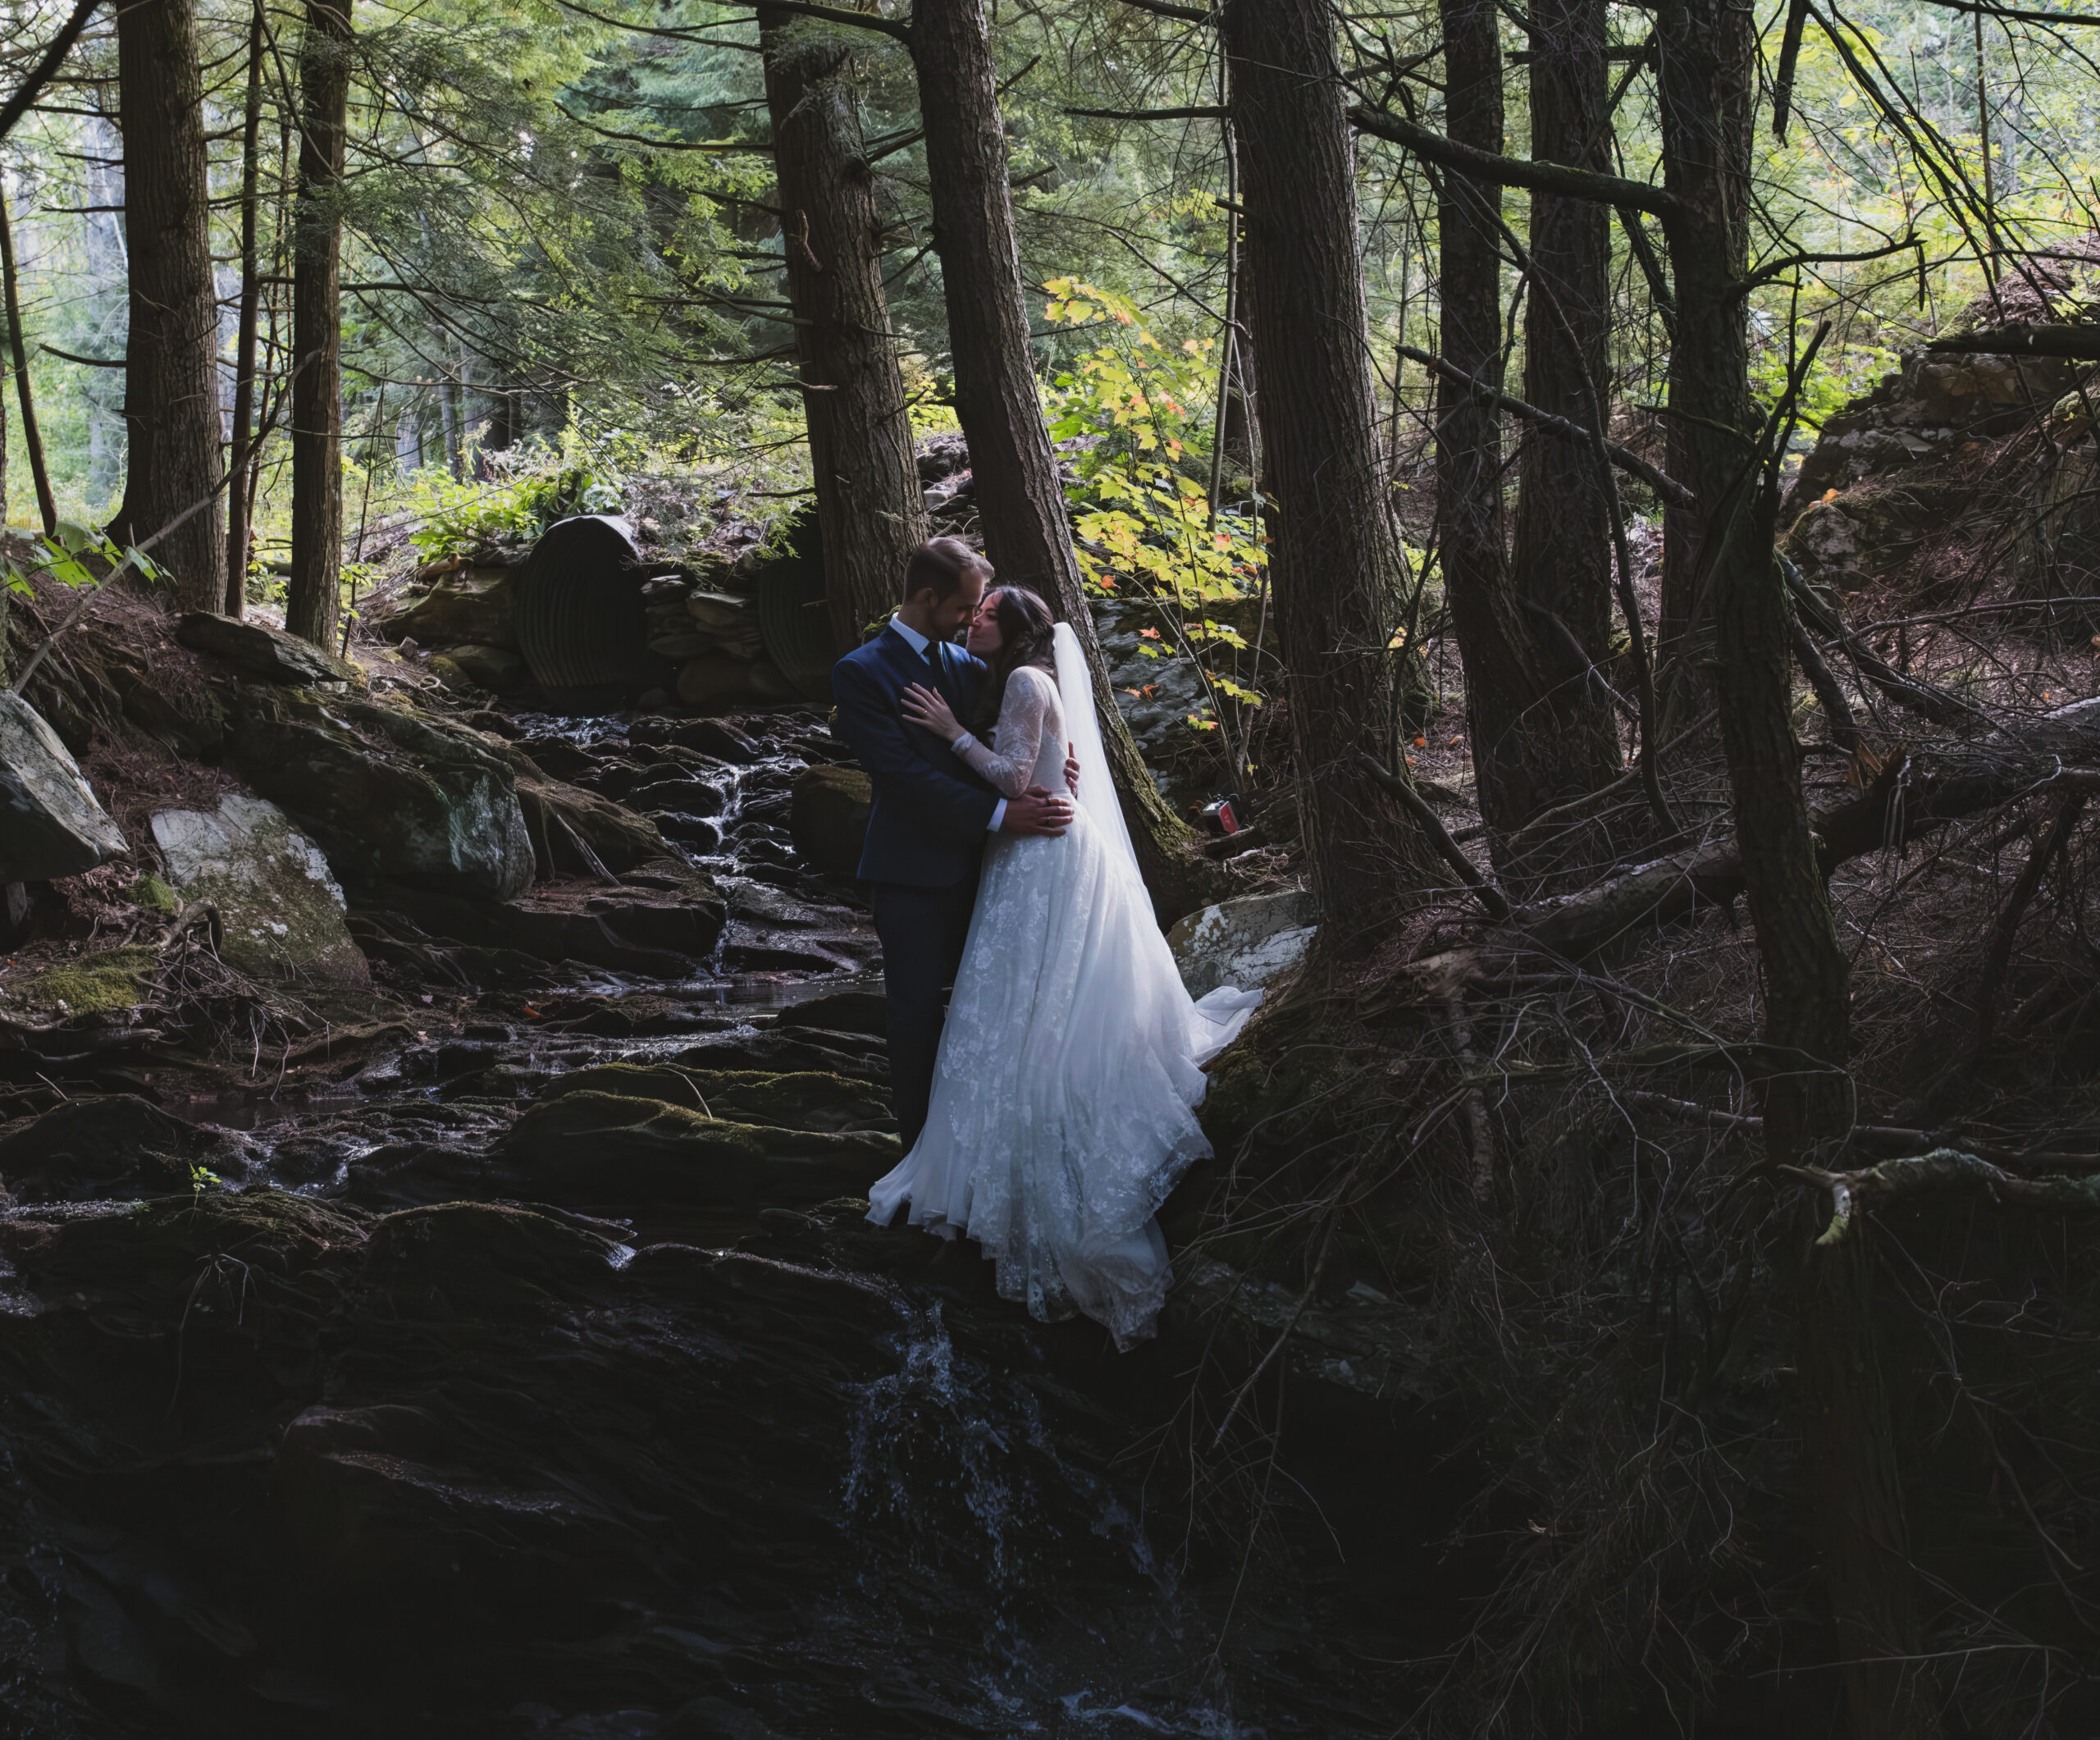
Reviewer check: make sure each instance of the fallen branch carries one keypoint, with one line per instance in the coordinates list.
(1491, 898)
(1943, 1169)
(1934, 704)
(2080, 344)
(1891, 1140)
(1908, 801)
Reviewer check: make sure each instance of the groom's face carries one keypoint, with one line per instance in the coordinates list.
(951, 615)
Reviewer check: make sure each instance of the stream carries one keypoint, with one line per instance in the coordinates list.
(535, 1375)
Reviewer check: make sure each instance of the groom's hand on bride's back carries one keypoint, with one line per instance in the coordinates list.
(1072, 769)
(1038, 810)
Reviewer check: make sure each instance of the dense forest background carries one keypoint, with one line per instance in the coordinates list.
(1607, 491)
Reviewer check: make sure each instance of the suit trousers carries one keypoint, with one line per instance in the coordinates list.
(923, 931)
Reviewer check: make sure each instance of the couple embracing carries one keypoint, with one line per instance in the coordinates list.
(1051, 1113)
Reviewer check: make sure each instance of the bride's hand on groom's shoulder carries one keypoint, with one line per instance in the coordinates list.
(924, 707)
(1038, 810)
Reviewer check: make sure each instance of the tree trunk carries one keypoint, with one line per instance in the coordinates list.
(1708, 51)
(311, 601)
(47, 505)
(1332, 556)
(1848, 1439)
(1027, 535)
(871, 508)
(1494, 642)
(171, 378)
(1562, 555)
(251, 303)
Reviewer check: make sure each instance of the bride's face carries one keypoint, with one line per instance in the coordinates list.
(985, 637)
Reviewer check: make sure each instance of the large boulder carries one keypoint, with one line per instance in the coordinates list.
(265, 654)
(389, 794)
(281, 912)
(476, 605)
(50, 824)
(827, 817)
(1245, 943)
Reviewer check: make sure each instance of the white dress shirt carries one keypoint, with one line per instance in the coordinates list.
(919, 643)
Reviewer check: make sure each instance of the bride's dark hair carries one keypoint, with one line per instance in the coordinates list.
(1025, 629)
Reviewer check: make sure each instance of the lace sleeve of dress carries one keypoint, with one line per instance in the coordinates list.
(1022, 711)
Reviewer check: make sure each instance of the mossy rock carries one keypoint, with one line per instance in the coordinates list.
(98, 984)
(281, 913)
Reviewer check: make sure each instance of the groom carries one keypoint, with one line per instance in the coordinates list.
(932, 813)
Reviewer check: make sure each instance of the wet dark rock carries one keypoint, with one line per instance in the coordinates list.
(773, 930)
(116, 1145)
(642, 1016)
(387, 793)
(50, 822)
(591, 1147)
(804, 1100)
(828, 817)
(560, 759)
(558, 816)
(675, 789)
(264, 654)
(495, 669)
(700, 833)
(661, 1081)
(843, 1011)
(784, 1053)
(613, 779)
(636, 930)
(717, 737)
(483, 1468)
(686, 924)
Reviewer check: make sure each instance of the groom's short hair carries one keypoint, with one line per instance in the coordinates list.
(941, 565)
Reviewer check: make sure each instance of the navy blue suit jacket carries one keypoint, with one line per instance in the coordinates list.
(932, 812)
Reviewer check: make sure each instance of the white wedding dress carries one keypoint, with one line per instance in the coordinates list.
(1064, 1095)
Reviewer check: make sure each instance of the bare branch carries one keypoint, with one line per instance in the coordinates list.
(1509, 171)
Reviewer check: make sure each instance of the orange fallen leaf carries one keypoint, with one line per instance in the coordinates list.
(1453, 744)
(1149, 634)
(1134, 694)
(1830, 494)
(1422, 742)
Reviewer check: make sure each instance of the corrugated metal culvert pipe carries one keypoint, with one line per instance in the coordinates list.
(582, 625)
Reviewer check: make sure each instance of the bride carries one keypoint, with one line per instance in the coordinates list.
(1064, 1095)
